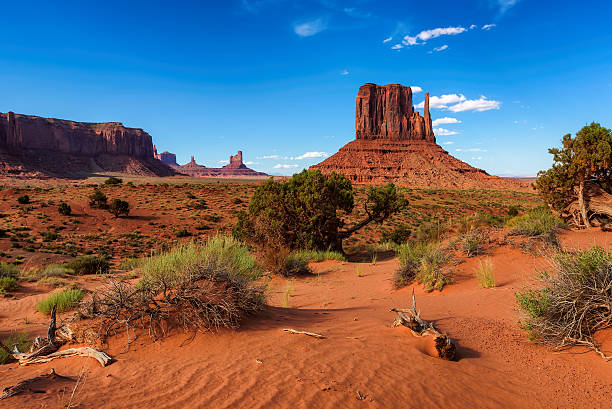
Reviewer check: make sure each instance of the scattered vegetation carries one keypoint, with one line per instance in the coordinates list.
(113, 181)
(399, 235)
(25, 199)
(570, 305)
(473, 243)
(66, 300)
(423, 263)
(88, 265)
(484, 274)
(98, 199)
(538, 223)
(8, 285)
(64, 209)
(119, 207)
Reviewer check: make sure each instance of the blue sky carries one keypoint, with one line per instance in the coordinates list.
(278, 78)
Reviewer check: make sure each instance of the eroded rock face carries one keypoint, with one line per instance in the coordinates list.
(236, 168)
(37, 144)
(235, 162)
(167, 158)
(386, 112)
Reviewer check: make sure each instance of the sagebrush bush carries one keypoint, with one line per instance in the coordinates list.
(65, 300)
(88, 265)
(113, 181)
(398, 235)
(25, 199)
(16, 339)
(423, 263)
(473, 243)
(8, 284)
(573, 302)
(539, 223)
(64, 209)
(8, 270)
(198, 287)
(430, 232)
(118, 207)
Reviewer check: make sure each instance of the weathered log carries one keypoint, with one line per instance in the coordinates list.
(21, 386)
(597, 202)
(99, 356)
(310, 334)
(411, 318)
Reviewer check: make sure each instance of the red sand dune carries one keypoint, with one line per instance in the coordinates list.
(260, 366)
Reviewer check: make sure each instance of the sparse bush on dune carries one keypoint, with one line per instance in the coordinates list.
(8, 284)
(430, 232)
(473, 243)
(25, 199)
(398, 235)
(423, 263)
(64, 209)
(118, 207)
(538, 223)
(113, 181)
(65, 300)
(197, 287)
(294, 263)
(572, 303)
(88, 265)
(98, 199)
(8, 270)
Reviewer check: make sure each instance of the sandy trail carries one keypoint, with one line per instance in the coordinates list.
(260, 366)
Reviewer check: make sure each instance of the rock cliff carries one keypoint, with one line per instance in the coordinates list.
(40, 144)
(236, 168)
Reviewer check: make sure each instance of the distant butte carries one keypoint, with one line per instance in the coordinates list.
(235, 168)
(394, 143)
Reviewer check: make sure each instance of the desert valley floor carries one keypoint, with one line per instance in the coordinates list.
(362, 362)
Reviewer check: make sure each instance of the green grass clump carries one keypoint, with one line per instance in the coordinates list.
(473, 243)
(423, 263)
(484, 274)
(8, 270)
(16, 339)
(66, 300)
(8, 284)
(88, 265)
(318, 255)
(569, 306)
(538, 222)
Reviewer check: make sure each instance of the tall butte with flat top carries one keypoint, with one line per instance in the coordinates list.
(394, 143)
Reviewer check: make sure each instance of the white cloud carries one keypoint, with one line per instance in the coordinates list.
(415, 89)
(445, 120)
(488, 26)
(397, 47)
(426, 35)
(471, 150)
(443, 132)
(284, 166)
(311, 155)
(504, 5)
(345, 72)
(310, 28)
(473, 26)
(251, 163)
(386, 40)
(479, 105)
(223, 162)
(448, 143)
(438, 49)
(443, 101)
(268, 157)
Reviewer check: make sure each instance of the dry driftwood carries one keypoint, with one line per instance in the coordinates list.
(597, 202)
(45, 350)
(21, 386)
(445, 347)
(310, 334)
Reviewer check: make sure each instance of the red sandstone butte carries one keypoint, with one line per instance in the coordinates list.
(235, 168)
(394, 143)
(36, 146)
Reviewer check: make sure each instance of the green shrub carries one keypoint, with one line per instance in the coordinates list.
(423, 263)
(113, 181)
(570, 305)
(200, 204)
(473, 243)
(88, 265)
(399, 235)
(25, 199)
(8, 270)
(16, 339)
(50, 235)
(98, 199)
(66, 300)
(538, 222)
(119, 207)
(484, 274)
(8, 284)
(513, 211)
(430, 232)
(183, 233)
(64, 209)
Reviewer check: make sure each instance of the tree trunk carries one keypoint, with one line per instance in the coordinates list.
(583, 211)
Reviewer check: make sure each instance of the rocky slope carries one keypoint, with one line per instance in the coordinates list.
(394, 143)
(36, 146)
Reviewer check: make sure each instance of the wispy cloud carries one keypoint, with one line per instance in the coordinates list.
(471, 150)
(443, 101)
(223, 162)
(344, 72)
(310, 28)
(488, 26)
(478, 105)
(443, 132)
(285, 166)
(473, 26)
(397, 47)
(448, 143)
(386, 40)
(445, 120)
(269, 157)
(356, 13)
(442, 48)
(311, 155)
(415, 89)
(249, 163)
(426, 35)
(504, 5)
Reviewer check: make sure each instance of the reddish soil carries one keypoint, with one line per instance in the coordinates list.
(260, 366)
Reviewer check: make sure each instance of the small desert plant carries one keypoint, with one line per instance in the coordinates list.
(473, 243)
(281, 261)
(98, 199)
(88, 265)
(113, 181)
(183, 233)
(25, 199)
(399, 235)
(8, 270)
(287, 294)
(374, 258)
(64, 209)
(430, 232)
(8, 285)
(572, 304)
(50, 235)
(200, 205)
(484, 274)
(539, 223)
(66, 300)
(119, 207)
(198, 287)
(359, 271)
(16, 339)
(318, 255)
(423, 262)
